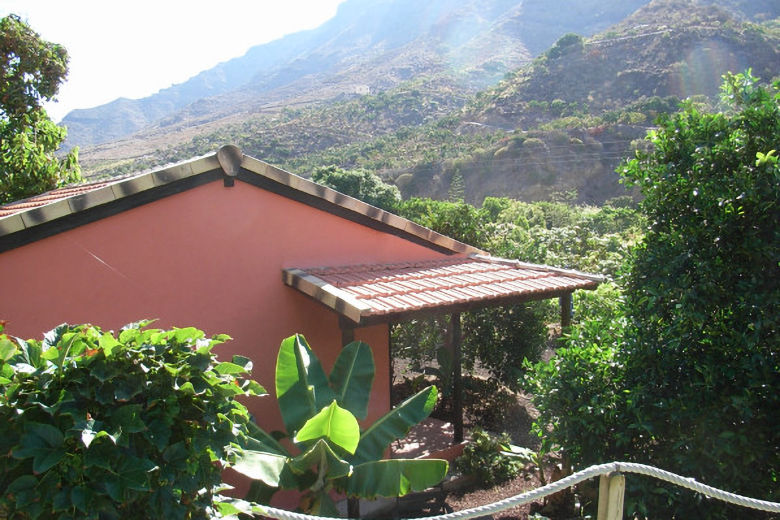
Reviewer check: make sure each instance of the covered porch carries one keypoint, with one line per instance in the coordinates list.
(371, 294)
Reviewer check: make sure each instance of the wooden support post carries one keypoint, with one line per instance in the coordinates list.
(612, 489)
(347, 332)
(353, 507)
(457, 381)
(566, 311)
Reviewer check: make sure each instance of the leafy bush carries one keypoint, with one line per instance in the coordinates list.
(578, 393)
(492, 459)
(137, 425)
(704, 297)
(567, 43)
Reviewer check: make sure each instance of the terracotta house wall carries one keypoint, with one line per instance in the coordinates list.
(209, 257)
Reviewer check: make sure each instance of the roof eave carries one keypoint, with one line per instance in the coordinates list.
(344, 304)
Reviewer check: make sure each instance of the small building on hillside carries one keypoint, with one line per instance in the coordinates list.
(230, 244)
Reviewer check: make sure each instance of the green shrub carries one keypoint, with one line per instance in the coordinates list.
(567, 43)
(491, 458)
(138, 425)
(578, 393)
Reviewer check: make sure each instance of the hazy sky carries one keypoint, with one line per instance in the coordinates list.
(133, 49)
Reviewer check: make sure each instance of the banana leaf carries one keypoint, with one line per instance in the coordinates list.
(322, 456)
(395, 477)
(301, 385)
(260, 465)
(333, 423)
(352, 377)
(394, 425)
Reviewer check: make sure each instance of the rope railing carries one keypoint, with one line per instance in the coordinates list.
(601, 470)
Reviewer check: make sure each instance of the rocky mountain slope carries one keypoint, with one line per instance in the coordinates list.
(369, 46)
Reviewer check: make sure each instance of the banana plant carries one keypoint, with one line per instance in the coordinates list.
(329, 451)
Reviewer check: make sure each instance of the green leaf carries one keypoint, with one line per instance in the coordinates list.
(100, 454)
(107, 343)
(22, 483)
(322, 456)
(352, 377)
(187, 334)
(243, 362)
(26, 494)
(229, 507)
(50, 354)
(42, 442)
(395, 478)
(81, 498)
(55, 335)
(252, 387)
(128, 418)
(334, 423)
(259, 465)
(7, 348)
(394, 425)
(322, 505)
(229, 368)
(87, 432)
(31, 353)
(259, 440)
(132, 473)
(301, 386)
(187, 389)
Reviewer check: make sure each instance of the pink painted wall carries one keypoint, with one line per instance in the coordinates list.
(209, 257)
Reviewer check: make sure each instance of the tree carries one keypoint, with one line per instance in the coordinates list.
(685, 376)
(361, 184)
(31, 70)
(703, 295)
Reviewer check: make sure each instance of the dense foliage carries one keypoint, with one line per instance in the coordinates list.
(31, 71)
(137, 425)
(331, 452)
(686, 375)
(361, 184)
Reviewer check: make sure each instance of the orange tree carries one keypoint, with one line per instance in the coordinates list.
(685, 375)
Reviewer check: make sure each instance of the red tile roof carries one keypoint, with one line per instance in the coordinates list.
(51, 196)
(370, 293)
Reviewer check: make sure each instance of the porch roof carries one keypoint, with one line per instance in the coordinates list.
(377, 293)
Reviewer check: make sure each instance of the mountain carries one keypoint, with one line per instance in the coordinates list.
(564, 123)
(370, 45)
(557, 127)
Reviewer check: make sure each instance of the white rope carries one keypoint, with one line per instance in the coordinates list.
(566, 482)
